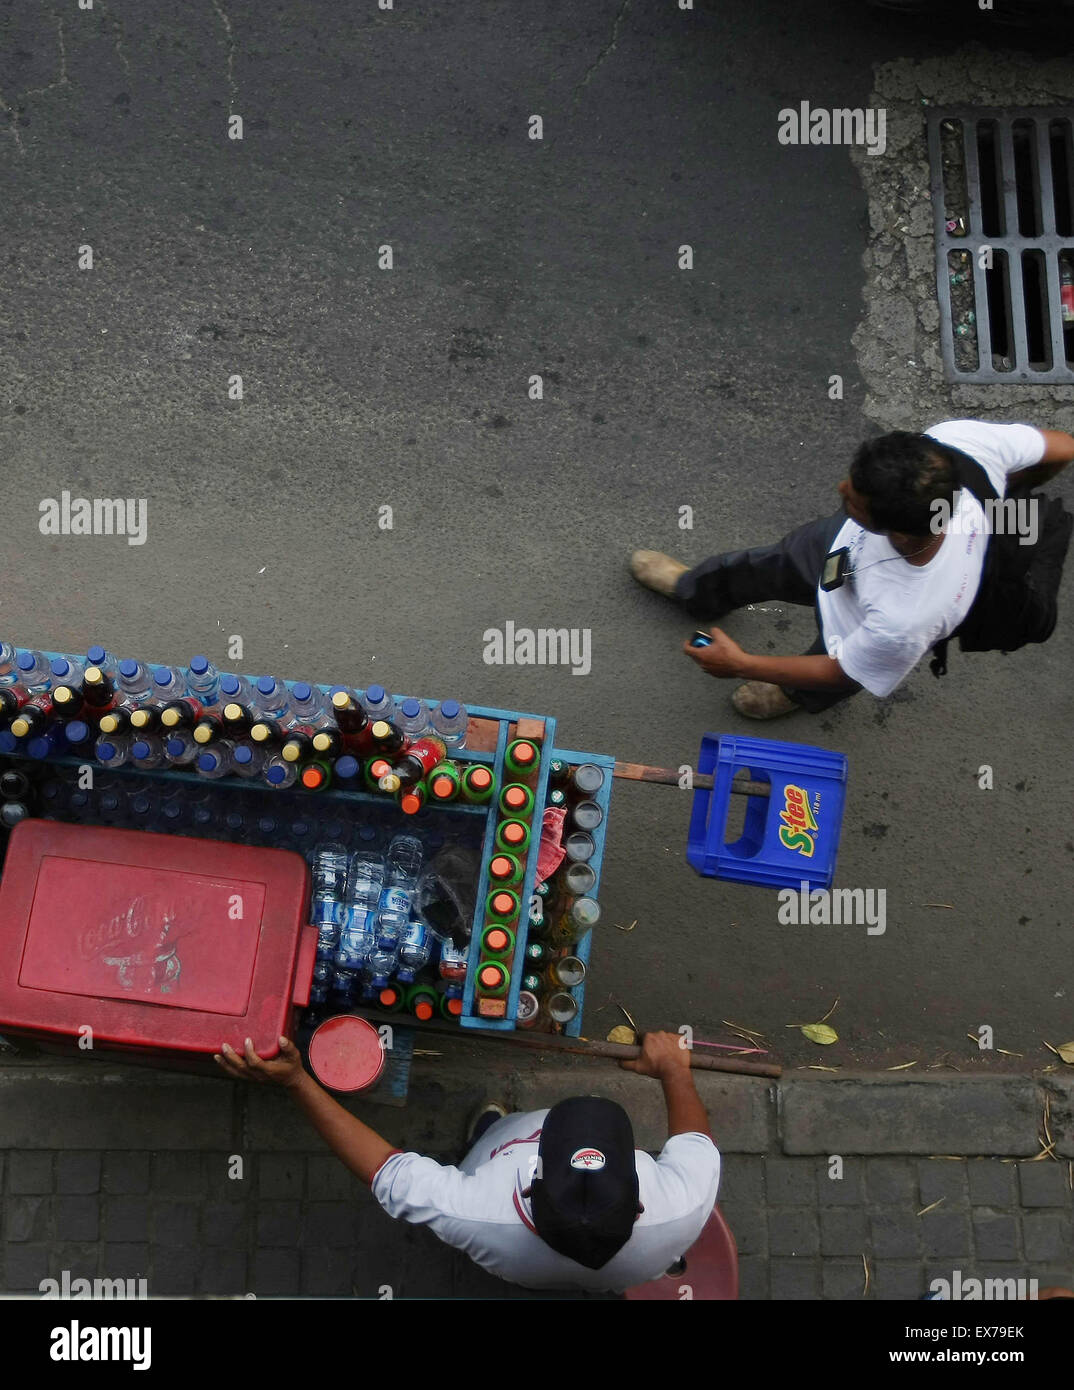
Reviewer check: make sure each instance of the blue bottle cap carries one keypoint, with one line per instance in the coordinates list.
(301, 691)
(233, 820)
(95, 655)
(140, 749)
(367, 832)
(411, 708)
(243, 754)
(229, 684)
(202, 815)
(141, 804)
(25, 661)
(163, 677)
(128, 668)
(375, 694)
(176, 747)
(39, 747)
(346, 766)
(172, 810)
(266, 685)
(450, 709)
(77, 731)
(300, 828)
(79, 799)
(8, 742)
(109, 801)
(61, 667)
(199, 665)
(266, 825)
(106, 752)
(208, 762)
(275, 775)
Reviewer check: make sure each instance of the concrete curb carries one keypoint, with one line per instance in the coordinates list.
(107, 1106)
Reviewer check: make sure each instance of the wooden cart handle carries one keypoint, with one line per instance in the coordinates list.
(668, 776)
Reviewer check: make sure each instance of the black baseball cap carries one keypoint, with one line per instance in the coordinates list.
(584, 1196)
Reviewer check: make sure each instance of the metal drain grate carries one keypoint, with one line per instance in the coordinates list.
(1004, 180)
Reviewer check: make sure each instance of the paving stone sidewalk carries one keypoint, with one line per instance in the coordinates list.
(299, 1223)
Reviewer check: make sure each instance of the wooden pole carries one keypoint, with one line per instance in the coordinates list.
(667, 776)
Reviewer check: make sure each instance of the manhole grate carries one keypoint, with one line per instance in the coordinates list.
(1003, 202)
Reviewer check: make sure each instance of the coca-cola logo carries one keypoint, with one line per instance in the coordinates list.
(129, 927)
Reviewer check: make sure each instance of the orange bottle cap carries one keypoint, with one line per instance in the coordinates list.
(491, 976)
(497, 939)
(388, 996)
(423, 1009)
(480, 777)
(503, 903)
(442, 787)
(500, 867)
(515, 797)
(410, 803)
(514, 834)
(524, 753)
(454, 1006)
(312, 777)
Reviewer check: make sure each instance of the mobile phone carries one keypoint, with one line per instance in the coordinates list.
(834, 573)
(701, 639)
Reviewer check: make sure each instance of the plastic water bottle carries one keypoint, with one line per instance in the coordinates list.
(248, 760)
(169, 683)
(42, 744)
(320, 984)
(415, 948)
(235, 689)
(98, 656)
(368, 838)
(377, 703)
(330, 870)
(235, 824)
(147, 752)
(34, 671)
(142, 809)
(454, 961)
(203, 679)
(271, 699)
(65, 672)
(279, 773)
(450, 720)
(215, 761)
(8, 657)
(412, 717)
(403, 865)
(110, 807)
(78, 803)
(357, 937)
(112, 750)
(268, 829)
(379, 967)
(180, 748)
(308, 708)
(134, 679)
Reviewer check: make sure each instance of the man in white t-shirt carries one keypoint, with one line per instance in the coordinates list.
(553, 1199)
(912, 544)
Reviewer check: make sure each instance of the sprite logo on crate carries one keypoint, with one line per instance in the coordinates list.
(799, 830)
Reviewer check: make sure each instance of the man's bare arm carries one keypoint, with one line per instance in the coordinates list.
(1058, 452)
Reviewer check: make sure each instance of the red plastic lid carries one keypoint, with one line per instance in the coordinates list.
(480, 777)
(443, 787)
(379, 767)
(423, 1009)
(345, 1053)
(524, 753)
(501, 867)
(454, 1006)
(514, 833)
(503, 903)
(491, 976)
(515, 797)
(497, 939)
(388, 996)
(313, 777)
(410, 802)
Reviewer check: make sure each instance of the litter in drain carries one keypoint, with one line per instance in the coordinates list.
(1003, 205)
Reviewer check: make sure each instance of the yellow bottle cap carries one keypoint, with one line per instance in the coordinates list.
(291, 752)
(94, 675)
(341, 700)
(170, 718)
(203, 733)
(233, 712)
(20, 727)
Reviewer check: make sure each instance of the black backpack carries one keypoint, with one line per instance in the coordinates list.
(1017, 602)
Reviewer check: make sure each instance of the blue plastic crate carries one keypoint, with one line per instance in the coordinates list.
(791, 836)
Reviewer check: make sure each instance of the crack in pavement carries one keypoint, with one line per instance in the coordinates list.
(62, 80)
(230, 41)
(12, 123)
(117, 31)
(609, 47)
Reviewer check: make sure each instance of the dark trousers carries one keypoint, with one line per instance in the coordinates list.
(788, 570)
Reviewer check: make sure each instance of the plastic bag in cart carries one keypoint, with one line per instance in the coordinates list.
(447, 892)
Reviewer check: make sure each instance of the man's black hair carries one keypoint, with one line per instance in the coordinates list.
(901, 475)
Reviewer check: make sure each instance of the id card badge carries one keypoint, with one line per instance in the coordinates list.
(836, 565)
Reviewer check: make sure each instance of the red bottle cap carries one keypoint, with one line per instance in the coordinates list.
(514, 833)
(410, 803)
(388, 996)
(379, 767)
(501, 867)
(515, 797)
(497, 939)
(423, 1009)
(503, 904)
(454, 1006)
(442, 788)
(524, 753)
(480, 778)
(313, 777)
(491, 976)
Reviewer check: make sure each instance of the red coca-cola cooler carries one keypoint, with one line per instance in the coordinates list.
(153, 948)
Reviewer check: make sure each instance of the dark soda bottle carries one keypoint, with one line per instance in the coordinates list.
(183, 713)
(236, 718)
(34, 716)
(387, 738)
(116, 721)
(415, 764)
(98, 689)
(297, 746)
(412, 799)
(67, 701)
(207, 730)
(328, 743)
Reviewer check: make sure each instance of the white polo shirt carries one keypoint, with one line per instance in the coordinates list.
(885, 617)
(478, 1207)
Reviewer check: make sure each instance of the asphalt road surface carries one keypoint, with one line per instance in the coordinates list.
(408, 388)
